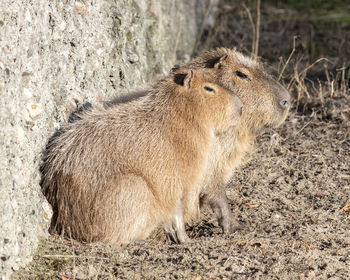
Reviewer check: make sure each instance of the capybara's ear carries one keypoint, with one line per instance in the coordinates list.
(188, 79)
(220, 61)
(184, 79)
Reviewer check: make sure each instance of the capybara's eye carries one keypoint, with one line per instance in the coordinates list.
(243, 76)
(209, 89)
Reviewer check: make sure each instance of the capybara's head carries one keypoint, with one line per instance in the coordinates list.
(216, 105)
(266, 102)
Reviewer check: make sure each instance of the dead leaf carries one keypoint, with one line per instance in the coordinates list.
(347, 115)
(196, 277)
(307, 245)
(252, 205)
(62, 277)
(345, 208)
(259, 245)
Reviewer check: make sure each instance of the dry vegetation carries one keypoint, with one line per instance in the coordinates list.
(292, 197)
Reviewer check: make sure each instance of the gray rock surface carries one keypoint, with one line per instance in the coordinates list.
(54, 56)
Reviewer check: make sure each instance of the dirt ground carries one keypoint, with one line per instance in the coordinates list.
(291, 196)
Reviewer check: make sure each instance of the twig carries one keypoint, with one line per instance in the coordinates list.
(345, 136)
(300, 130)
(343, 83)
(311, 65)
(204, 22)
(176, 45)
(74, 256)
(289, 58)
(256, 48)
(253, 28)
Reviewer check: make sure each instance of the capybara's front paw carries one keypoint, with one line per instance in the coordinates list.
(229, 225)
(176, 236)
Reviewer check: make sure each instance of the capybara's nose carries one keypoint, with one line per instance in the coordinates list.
(285, 99)
(285, 103)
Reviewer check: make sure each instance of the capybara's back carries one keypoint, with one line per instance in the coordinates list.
(116, 174)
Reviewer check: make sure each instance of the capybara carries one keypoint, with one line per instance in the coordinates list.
(266, 103)
(117, 173)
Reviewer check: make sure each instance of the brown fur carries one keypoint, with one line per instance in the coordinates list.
(266, 103)
(118, 173)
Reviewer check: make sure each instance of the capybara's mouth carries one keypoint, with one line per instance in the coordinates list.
(282, 118)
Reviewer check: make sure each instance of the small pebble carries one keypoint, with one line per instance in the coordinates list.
(132, 57)
(34, 110)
